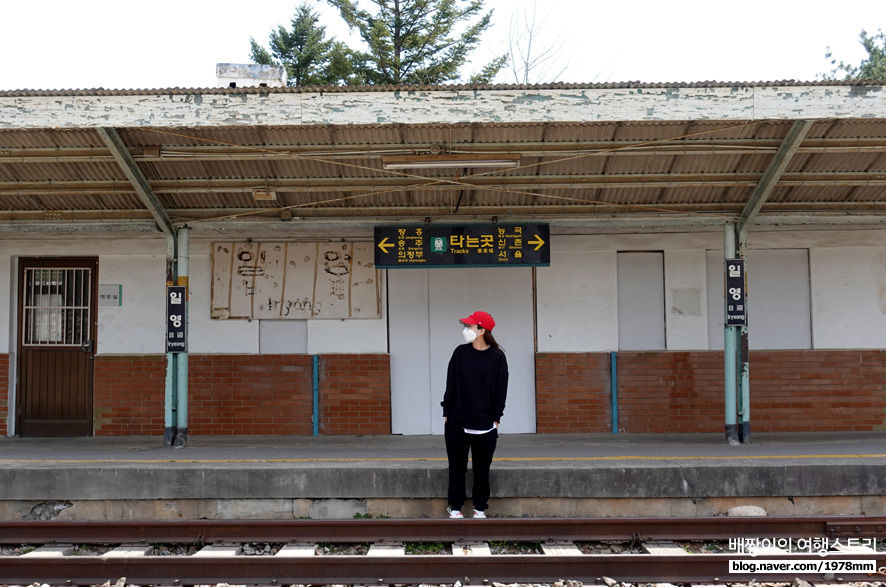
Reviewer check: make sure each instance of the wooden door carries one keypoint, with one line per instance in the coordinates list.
(56, 346)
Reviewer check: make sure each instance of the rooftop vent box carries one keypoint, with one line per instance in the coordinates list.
(249, 75)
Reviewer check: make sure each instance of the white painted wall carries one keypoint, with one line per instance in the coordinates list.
(206, 335)
(7, 297)
(577, 299)
(686, 304)
(136, 264)
(283, 337)
(139, 325)
(848, 297)
(347, 336)
(7, 343)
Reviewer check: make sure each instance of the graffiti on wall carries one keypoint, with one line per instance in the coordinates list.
(295, 281)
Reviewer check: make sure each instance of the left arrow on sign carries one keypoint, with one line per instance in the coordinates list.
(384, 245)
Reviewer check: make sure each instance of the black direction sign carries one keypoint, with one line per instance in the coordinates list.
(471, 245)
(176, 320)
(736, 302)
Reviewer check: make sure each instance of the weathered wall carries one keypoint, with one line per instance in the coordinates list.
(849, 297)
(245, 394)
(355, 394)
(573, 392)
(576, 306)
(679, 392)
(261, 106)
(250, 394)
(128, 395)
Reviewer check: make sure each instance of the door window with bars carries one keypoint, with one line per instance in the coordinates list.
(56, 306)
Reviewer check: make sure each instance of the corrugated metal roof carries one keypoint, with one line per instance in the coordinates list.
(420, 88)
(585, 170)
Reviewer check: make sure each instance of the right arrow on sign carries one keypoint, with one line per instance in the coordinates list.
(538, 242)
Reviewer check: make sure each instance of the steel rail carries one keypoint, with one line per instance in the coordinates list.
(521, 529)
(411, 569)
(333, 569)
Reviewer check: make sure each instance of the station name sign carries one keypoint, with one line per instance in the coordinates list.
(736, 293)
(470, 245)
(176, 320)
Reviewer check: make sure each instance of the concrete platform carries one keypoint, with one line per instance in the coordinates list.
(405, 476)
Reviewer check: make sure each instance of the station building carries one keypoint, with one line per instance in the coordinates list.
(294, 220)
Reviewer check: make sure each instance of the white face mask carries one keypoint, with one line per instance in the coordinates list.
(469, 334)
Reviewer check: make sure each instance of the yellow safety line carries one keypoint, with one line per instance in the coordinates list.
(411, 459)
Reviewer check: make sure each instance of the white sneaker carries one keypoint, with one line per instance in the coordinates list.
(454, 514)
(479, 515)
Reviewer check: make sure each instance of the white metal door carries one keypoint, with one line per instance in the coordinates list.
(425, 305)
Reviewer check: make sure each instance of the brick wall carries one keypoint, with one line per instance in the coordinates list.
(671, 392)
(791, 391)
(4, 392)
(245, 394)
(355, 394)
(250, 394)
(128, 395)
(572, 392)
(801, 391)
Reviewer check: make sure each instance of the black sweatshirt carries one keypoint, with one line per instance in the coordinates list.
(476, 387)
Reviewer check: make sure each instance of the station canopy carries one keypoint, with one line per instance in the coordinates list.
(594, 157)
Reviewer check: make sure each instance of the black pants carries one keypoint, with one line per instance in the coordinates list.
(481, 447)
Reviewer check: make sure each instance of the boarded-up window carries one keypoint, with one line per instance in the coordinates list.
(778, 302)
(641, 316)
(295, 281)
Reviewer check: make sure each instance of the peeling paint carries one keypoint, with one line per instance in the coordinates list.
(443, 106)
(533, 98)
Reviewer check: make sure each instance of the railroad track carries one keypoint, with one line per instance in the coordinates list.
(653, 546)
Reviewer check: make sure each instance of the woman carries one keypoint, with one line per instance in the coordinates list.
(476, 390)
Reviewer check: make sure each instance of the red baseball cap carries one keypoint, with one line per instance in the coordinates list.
(481, 319)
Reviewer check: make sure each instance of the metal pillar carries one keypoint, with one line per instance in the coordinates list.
(729, 350)
(315, 417)
(181, 435)
(613, 384)
(170, 398)
(744, 366)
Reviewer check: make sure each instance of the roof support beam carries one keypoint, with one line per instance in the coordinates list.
(137, 179)
(548, 150)
(770, 178)
(452, 182)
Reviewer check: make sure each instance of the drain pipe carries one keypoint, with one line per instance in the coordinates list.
(170, 399)
(181, 434)
(613, 383)
(316, 416)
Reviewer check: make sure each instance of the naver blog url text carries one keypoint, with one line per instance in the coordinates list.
(794, 566)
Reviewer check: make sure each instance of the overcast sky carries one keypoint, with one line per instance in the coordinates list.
(120, 44)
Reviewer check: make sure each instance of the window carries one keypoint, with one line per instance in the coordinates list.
(56, 306)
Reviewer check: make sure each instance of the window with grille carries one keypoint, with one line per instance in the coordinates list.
(56, 306)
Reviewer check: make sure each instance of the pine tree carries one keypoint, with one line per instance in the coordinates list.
(872, 68)
(309, 58)
(415, 41)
